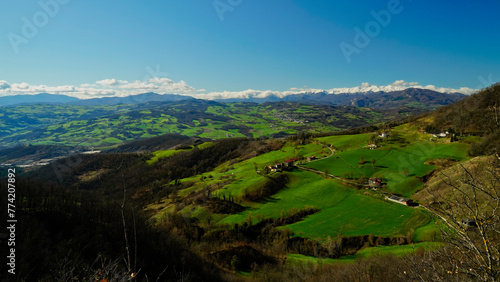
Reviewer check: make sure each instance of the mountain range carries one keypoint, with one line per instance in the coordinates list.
(45, 98)
(416, 97)
(42, 98)
(408, 97)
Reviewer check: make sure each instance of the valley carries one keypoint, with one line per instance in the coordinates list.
(105, 126)
(249, 141)
(344, 208)
(250, 190)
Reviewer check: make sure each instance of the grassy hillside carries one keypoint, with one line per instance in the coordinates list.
(401, 163)
(476, 115)
(343, 210)
(405, 160)
(478, 168)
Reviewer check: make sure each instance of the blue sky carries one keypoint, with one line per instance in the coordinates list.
(253, 44)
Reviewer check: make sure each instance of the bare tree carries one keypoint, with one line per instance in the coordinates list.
(471, 226)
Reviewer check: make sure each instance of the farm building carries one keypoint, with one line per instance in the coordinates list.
(401, 200)
(279, 166)
(276, 167)
(395, 198)
(372, 146)
(375, 182)
(383, 135)
(311, 158)
(289, 163)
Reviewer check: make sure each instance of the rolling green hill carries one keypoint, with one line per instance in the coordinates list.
(344, 210)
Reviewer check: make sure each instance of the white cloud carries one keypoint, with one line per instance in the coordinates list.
(162, 80)
(23, 85)
(364, 88)
(103, 88)
(107, 82)
(4, 84)
(121, 88)
(404, 83)
(398, 83)
(137, 85)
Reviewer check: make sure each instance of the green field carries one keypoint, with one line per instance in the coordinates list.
(344, 211)
(428, 232)
(244, 173)
(398, 165)
(346, 142)
(164, 154)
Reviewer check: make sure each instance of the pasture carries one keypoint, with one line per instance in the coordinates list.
(344, 211)
(400, 166)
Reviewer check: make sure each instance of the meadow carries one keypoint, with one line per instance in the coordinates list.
(164, 154)
(344, 211)
(400, 165)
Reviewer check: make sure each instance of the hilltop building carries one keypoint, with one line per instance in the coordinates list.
(279, 166)
(375, 182)
(289, 163)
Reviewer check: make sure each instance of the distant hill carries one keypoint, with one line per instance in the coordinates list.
(102, 126)
(43, 98)
(134, 99)
(414, 97)
(478, 114)
(46, 98)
